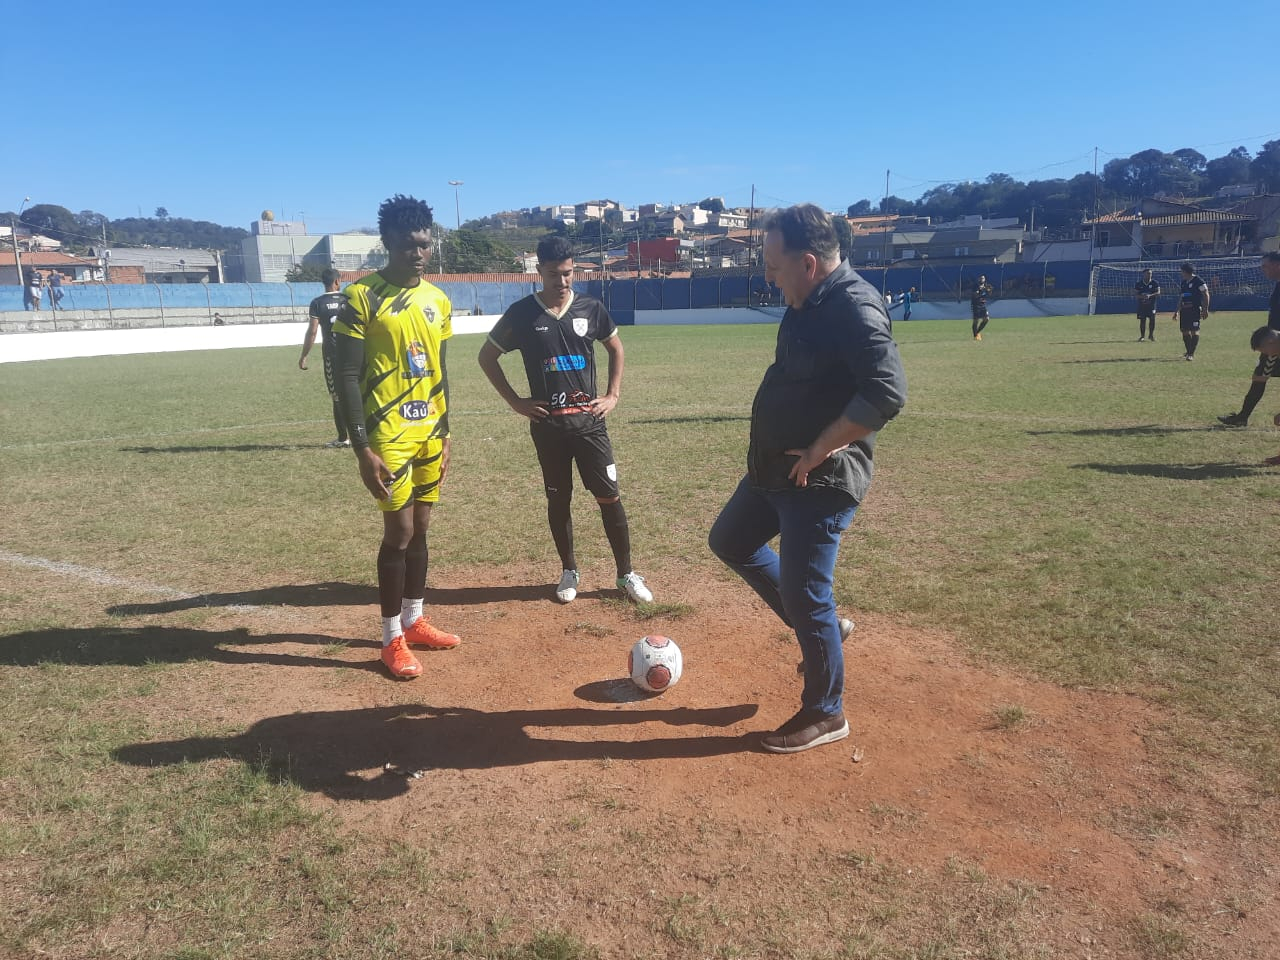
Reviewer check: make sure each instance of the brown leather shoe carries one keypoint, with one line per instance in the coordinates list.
(804, 731)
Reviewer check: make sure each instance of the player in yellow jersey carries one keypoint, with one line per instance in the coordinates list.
(391, 337)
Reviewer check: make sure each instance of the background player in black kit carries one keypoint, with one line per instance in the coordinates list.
(1258, 385)
(324, 310)
(978, 303)
(1193, 306)
(1147, 291)
(555, 332)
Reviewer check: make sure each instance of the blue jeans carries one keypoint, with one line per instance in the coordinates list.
(795, 581)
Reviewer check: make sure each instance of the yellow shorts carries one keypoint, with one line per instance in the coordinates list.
(415, 467)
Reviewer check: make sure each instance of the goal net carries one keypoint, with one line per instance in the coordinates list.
(1235, 283)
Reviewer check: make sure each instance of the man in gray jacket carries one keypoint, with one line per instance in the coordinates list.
(836, 379)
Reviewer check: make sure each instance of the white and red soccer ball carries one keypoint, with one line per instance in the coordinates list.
(655, 663)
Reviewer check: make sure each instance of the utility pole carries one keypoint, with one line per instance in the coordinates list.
(884, 247)
(13, 235)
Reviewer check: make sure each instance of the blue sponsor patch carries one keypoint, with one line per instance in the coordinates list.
(415, 410)
(571, 362)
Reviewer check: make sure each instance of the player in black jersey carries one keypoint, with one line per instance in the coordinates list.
(978, 303)
(1266, 340)
(1193, 306)
(555, 331)
(1147, 292)
(324, 310)
(1271, 270)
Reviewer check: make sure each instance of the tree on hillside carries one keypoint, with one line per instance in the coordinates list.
(466, 251)
(1231, 168)
(52, 221)
(162, 213)
(712, 205)
(1265, 168)
(892, 204)
(860, 209)
(305, 273)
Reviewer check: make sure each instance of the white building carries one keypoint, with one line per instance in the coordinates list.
(274, 247)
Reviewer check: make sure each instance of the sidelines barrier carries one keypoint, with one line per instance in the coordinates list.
(64, 344)
(18, 347)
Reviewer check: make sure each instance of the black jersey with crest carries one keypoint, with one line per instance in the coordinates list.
(559, 355)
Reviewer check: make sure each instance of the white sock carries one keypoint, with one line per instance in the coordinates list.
(410, 612)
(390, 630)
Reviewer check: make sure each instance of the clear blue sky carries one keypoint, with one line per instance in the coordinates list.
(219, 111)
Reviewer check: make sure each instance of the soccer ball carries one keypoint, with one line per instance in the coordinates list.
(655, 663)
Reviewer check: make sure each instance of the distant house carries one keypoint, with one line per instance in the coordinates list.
(75, 269)
(969, 240)
(1160, 228)
(158, 264)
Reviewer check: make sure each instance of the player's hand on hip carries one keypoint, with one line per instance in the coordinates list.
(375, 474)
(602, 406)
(530, 408)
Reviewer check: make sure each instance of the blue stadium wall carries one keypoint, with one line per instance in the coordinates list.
(624, 297)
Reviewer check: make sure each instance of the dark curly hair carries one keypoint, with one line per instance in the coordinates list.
(402, 214)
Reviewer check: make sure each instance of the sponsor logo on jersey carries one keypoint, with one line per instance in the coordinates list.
(580, 326)
(571, 362)
(417, 410)
(542, 329)
(416, 358)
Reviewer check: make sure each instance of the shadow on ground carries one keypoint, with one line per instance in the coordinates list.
(288, 595)
(1144, 430)
(331, 751)
(1178, 471)
(136, 646)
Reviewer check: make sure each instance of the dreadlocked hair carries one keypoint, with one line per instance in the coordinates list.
(403, 214)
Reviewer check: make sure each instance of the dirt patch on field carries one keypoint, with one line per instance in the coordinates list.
(970, 808)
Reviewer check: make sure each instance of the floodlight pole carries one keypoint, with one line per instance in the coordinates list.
(457, 204)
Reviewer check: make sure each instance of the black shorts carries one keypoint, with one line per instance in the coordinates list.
(1146, 311)
(1189, 322)
(980, 313)
(557, 452)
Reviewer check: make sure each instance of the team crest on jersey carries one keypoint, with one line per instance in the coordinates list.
(580, 326)
(416, 358)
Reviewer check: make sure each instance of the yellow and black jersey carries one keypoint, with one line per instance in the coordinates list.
(402, 382)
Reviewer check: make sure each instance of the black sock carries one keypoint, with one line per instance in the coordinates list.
(1195, 342)
(390, 580)
(560, 519)
(982, 326)
(415, 568)
(1256, 390)
(339, 421)
(619, 534)
(1186, 342)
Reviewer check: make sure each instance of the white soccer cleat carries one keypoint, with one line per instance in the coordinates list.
(633, 586)
(567, 588)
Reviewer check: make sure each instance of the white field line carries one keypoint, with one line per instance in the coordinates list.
(102, 578)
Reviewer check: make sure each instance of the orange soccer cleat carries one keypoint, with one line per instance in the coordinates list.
(399, 659)
(422, 634)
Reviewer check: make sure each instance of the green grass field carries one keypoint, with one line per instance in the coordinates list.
(1056, 497)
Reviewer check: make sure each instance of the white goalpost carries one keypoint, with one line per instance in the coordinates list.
(1235, 283)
